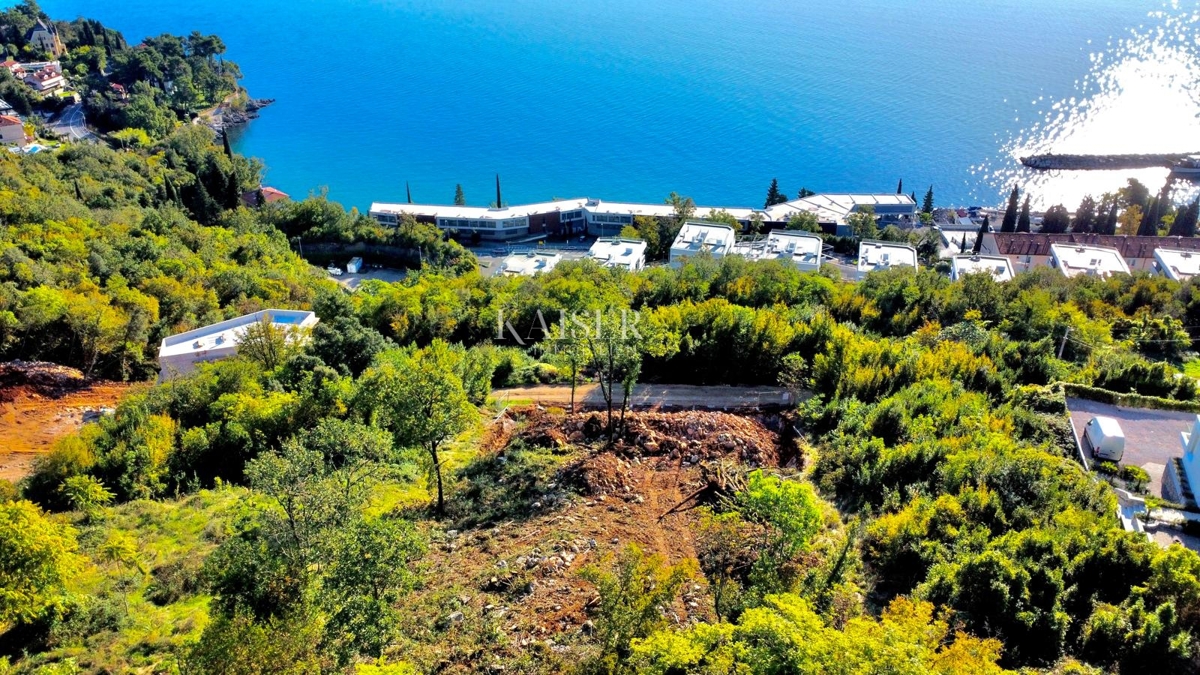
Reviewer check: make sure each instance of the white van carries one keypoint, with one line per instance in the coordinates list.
(1103, 438)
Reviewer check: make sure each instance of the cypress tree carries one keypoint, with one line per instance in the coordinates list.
(1023, 220)
(1009, 224)
(1149, 225)
(805, 192)
(225, 142)
(459, 198)
(233, 190)
(1185, 220)
(900, 187)
(78, 192)
(927, 206)
(1110, 222)
(983, 228)
(259, 197)
(774, 196)
(1085, 216)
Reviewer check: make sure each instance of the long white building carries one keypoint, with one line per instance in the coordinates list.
(179, 354)
(601, 218)
(1177, 265)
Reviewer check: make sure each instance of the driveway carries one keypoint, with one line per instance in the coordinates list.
(71, 124)
(654, 396)
(1151, 436)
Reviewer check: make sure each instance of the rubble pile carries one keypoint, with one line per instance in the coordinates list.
(37, 378)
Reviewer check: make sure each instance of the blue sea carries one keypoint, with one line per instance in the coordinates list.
(632, 99)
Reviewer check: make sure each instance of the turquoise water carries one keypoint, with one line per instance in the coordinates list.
(631, 99)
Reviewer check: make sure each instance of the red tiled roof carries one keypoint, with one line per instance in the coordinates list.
(271, 194)
(1130, 247)
(9, 120)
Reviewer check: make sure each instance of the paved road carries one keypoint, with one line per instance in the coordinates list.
(654, 396)
(1151, 436)
(71, 124)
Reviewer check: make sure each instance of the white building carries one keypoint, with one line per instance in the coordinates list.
(801, 249)
(874, 256)
(627, 253)
(46, 80)
(998, 266)
(179, 354)
(697, 238)
(1176, 265)
(1099, 261)
(529, 264)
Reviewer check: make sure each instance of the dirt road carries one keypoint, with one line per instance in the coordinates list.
(30, 423)
(654, 396)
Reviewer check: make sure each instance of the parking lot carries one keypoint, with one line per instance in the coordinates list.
(1151, 436)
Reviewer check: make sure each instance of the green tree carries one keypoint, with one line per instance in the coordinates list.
(614, 349)
(804, 192)
(1185, 221)
(1023, 221)
(38, 559)
(268, 344)
(1009, 224)
(460, 199)
(983, 230)
(1085, 216)
(862, 224)
(1056, 220)
(804, 221)
(927, 204)
(774, 196)
(420, 398)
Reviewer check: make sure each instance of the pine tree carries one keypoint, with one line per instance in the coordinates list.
(1085, 216)
(983, 229)
(78, 192)
(1023, 220)
(1185, 220)
(1009, 224)
(225, 142)
(805, 192)
(900, 187)
(1110, 221)
(774, 196)
(459, 198)
(259, 198)
(927, 206)
(1149, 225)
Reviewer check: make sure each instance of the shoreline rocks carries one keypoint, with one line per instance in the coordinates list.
(225, 117)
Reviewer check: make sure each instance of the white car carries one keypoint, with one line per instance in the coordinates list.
(335, 271)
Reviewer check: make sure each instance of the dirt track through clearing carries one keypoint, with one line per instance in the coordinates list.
(654, 396)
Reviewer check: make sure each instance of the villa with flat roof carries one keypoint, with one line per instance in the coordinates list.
(1099, 261)
(179, 354)
(696, 239)
(529, 264)
(801, 249)
(874, 256)
(627, 253)
(996, 265)
(607, 219)
(1176, 265)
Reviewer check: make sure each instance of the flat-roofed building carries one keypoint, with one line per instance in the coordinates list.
(875, 256)
(1098, 261)
(996, 265)
(1177, 265)
(529, 264)
(832, 210)
(801, 249)
(626, 253)
(179, 354)
(701, 238)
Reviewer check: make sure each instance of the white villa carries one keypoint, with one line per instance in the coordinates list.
(801, 249)
(996, 265)
(1100, 261)
(874, 256)
(179, 354)
(529, 264)
(697, 238)
(627, 253)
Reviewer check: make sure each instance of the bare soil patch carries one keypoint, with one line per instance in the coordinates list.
(42, 402)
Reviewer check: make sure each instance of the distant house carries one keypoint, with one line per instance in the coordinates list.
(1177, 265)
(6, 108)
(1097, 261)
(119, 90)
(44, 37)
(802, 249)
(1029, 250)
(697, 238)
(15, 68)
(269, 196)
(12, 130)
(45, 81)
(627, 253)
(529, 264)
(874, 256)
(179, 354)
(996, 265)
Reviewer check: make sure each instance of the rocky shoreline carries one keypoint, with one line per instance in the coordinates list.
(225, 117)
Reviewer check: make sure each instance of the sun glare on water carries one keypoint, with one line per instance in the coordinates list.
(1142, 95)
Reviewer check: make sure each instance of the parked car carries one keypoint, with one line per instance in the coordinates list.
(334, 270)
(1104, 439)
